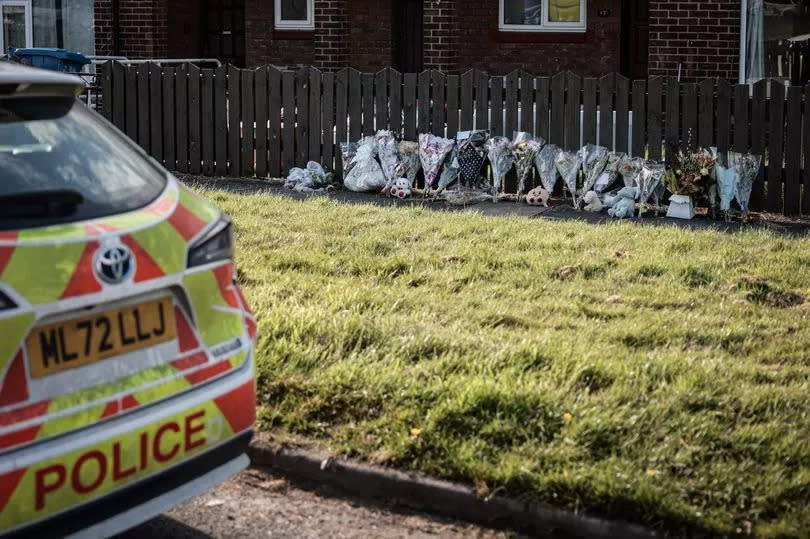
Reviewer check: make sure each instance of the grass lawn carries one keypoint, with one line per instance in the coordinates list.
(653, 374)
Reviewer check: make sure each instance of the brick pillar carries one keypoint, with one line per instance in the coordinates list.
(702, 37)
(102, 12)
(441, 35)
(142, 32)
(331, 22)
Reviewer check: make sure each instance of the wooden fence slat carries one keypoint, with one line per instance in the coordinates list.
(341, 116)
(131, 101)
(260, 94)
(589, 90)
(741, 117)
(355, 106)
(107, 102)
(572, 107)
(452, 106)
(221, 120)
(527, 103)
(168, 118)
(793, 151)
(481, 100)
(723, 136)
(622, 114)
(759, 126)
(689, 125)
(118, 106)
(639, 143)
(208, 130)
(181, 117)
(288, 121)
(194, 147)
(558, 83)
(423, 103)
(541, 120)
(805, 209)
(395, 101)
(301, 117)
(368, 103)
(381, 100)
(328, 120)
(409, 105)
(156, 112)
(706, 114)
(467, 83)
(246, 158)
(775, 146)
(655, 122)
(438, 81)
(673, 116)
(606, 89)
(143, 106)
(315, 134)
(496, 124)
(511, 104)
(274, 122)
(234, 127)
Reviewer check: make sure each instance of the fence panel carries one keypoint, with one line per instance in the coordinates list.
(606, 89)
(557, 134)
(452, 105)
(481, 100)
(639, 118)
(409, 105)
(423, 103)
(496, 106)
(775, 147)
(541, 120)
(673, 114)
(622, 114)
(247, 123)
(395, 101)
(301, 116)
(793, 151)
(511, 103)
(689, 124)
(168, 118)
(759, 127)
(260, 93)
(315, 152)
(221, 120)
(208, 130)
(288, 119)
(381, 100)
(437, 83)
(572, 108)
(467, 82)
(589, 90)
(328, 120)
(341, 115)
(805, 206)
(194, 117)
(655, 118)
(527, 101)
(723, 136)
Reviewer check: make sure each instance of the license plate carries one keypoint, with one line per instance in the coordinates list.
(65, 345)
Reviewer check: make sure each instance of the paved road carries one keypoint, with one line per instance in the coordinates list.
(258, 504)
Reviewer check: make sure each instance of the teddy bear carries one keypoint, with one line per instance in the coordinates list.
(592, 202)
(401, 188)
(625, 206)
(537, 197)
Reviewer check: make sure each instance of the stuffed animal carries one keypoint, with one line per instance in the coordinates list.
(592, 202)
(625, 206)
(401, 188)
(537, 197)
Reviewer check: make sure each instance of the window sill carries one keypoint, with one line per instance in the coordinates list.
(287, 34)
(502, 36)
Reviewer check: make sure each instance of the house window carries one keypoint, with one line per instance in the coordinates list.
(15, 32)
(295, 14)
(542, 15)
(64, 24)
(776, 41)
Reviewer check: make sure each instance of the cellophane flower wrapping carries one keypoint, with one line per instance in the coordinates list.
(432, 152)
(610, 172)
(525, 149)
(727, 178)
(366, 174)
(629, 169)
(501, 159)
(545, 161)
(748, 166)
(649, 182)
(409, 162)
(471, 155)
(312, 179)
(387, 153)
(568, 165)
(450, 171)
(347, 152)
(594, 160)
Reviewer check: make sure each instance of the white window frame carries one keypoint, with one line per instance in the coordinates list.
(572, 27)
(308, 24)
(29, 23)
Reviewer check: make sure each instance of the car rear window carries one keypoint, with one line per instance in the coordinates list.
(56, 145)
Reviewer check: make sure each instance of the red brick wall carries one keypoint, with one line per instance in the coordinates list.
(482, 46)
(368, 35)
(142, 32)
(704, 37)
(265, 45)
(331, 19)
(441, 32)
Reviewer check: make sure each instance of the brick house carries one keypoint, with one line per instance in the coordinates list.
(634, 37)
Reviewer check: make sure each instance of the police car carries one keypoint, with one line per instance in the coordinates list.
(126, 345)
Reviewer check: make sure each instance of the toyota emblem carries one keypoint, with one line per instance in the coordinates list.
(114, 264)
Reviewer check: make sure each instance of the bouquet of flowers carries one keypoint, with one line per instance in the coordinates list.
(450, 172)
(568, 165)
(432, 152)
(347, 153)
(365, 173)
(501, 158)
(649, 182)
(545, 163)
(471, 154)
(629, 169)
(747, 166)
(688, 173)
(610, 172)
(409, 163)
(594, 160)
(387, 153)
(525, 149)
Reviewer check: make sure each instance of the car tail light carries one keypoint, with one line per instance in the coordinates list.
(215, 245)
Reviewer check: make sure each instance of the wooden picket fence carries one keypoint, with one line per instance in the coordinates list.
(262, 122)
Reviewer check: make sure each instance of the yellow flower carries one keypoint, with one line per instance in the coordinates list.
(415, 432)
(650, 473)
(567, 417)
(565, 474)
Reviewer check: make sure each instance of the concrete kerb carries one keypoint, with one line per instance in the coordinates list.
(435, 496)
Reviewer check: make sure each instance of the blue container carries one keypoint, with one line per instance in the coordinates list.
(53, 59)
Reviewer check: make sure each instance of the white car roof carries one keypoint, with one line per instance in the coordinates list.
(33, 81)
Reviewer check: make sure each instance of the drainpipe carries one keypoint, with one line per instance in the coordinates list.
(116, 28)
(743, 31)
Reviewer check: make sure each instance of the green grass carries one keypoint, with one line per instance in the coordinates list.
(663, 377)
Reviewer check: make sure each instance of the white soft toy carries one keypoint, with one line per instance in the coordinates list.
(625, 206)
(537, 197)
(401, 188)
(592, 202)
